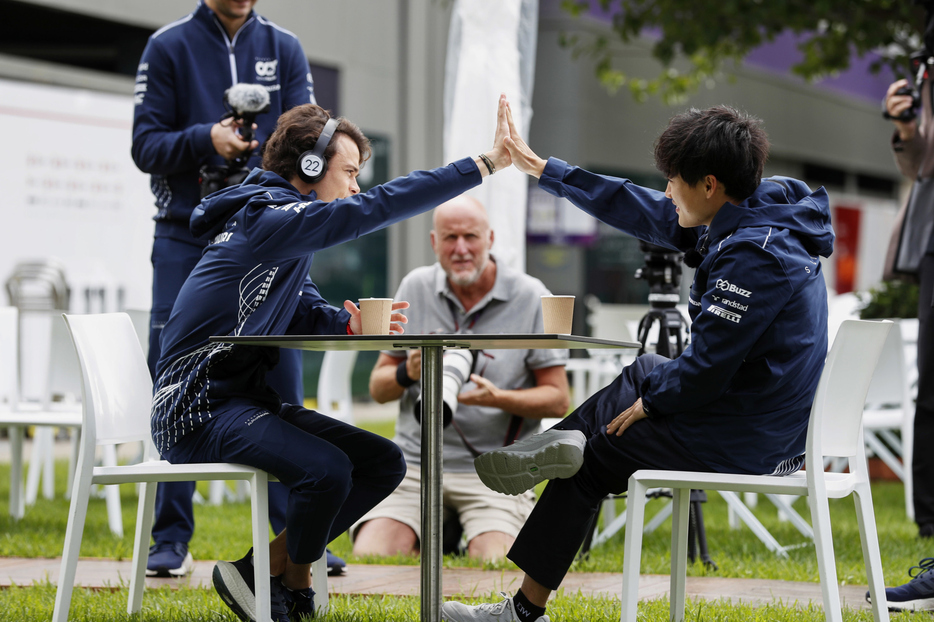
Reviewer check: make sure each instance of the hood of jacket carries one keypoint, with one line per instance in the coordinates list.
(785, 203)
(211, 215)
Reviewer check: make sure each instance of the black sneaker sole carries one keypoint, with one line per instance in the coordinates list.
(234, 591)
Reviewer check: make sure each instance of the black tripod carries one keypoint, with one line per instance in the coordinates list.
(663, 272)
(664, 276)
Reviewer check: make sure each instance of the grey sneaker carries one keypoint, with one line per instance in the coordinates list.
(553, 454)
(503, 611)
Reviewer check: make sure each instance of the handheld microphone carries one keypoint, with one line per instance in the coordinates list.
(245, 101)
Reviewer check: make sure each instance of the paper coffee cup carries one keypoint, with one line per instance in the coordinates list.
(375, 314)
(558, 314)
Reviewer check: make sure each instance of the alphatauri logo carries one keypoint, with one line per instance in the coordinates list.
(266, 69)
(729, 287)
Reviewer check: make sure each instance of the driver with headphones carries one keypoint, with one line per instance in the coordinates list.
(211, 401)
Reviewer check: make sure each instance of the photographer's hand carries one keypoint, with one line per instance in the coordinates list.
(626, 419)
(413, 364)
(895, 105)
(486, 393)
(227, 142)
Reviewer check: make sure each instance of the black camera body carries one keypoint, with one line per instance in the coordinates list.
(213, 178)
(662, 271)
(908, 114)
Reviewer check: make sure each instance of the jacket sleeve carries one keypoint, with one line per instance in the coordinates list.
(641, 212)
(158, 147)
(722, 335)
(298, 86)
(908, 154)
(314, 316)
(301, 228)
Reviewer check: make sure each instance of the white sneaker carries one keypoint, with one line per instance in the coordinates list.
(503, 611)
(553, 454)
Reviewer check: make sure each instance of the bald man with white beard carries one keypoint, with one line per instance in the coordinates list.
(506, 396)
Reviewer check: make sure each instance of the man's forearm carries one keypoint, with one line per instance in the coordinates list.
(383, 385)
(541, 402)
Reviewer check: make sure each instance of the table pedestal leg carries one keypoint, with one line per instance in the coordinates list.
(431, 440)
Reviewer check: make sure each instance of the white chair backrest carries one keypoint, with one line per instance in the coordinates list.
(140, 319)
(9, 365)
(64, 371)
(117, 388)
(35, 353)
(334, 394)
(835, 426)
(889, 386)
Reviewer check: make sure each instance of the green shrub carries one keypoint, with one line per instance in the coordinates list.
(891, 299)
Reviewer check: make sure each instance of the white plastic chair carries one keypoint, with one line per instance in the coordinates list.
(834, 429)
(117, 396)
(334, 395)
(888, 419)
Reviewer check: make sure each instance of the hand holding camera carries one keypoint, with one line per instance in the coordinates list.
(901, 102)
(232, 137)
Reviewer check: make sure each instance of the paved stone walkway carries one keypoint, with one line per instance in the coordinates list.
(367, 579)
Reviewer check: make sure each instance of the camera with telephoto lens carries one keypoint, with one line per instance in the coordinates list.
(457, 365)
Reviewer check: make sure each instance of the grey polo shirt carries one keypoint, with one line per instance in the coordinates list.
(512, 306)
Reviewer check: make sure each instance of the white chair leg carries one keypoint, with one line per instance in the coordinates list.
(48, 465)
(216, 492)
(112, 494)
(826, 566)
(17, 502)
(144, 519)
(77, 513)
(260, 510)
(681, 505)
(41, 446)
(319, 583)
(72, 461)
(632, 552)
(908, 442)
(746, 515)
(658, 520)
(872, 558)
(783, 503)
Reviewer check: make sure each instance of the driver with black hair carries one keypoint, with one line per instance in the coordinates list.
(738, 398)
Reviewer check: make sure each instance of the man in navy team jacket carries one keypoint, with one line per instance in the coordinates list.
(212, 401)
(738, 399)
(178, 103)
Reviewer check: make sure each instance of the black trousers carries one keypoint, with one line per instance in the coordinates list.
(923, 458)
(546, 546)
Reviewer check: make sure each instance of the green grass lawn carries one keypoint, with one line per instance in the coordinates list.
(223, 532)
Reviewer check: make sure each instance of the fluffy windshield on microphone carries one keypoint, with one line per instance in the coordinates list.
(247, 98)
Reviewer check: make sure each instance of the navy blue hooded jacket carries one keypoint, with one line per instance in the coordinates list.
(253, 280)
(182, 75)
(740, 395)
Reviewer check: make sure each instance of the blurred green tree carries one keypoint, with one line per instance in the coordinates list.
(701, 42)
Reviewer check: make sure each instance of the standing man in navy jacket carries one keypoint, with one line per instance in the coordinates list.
(738, 399)
(180, 83)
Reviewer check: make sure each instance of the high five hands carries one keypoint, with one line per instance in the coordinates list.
(508, 147)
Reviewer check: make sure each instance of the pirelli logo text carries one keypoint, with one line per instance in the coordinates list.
(726, 315)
